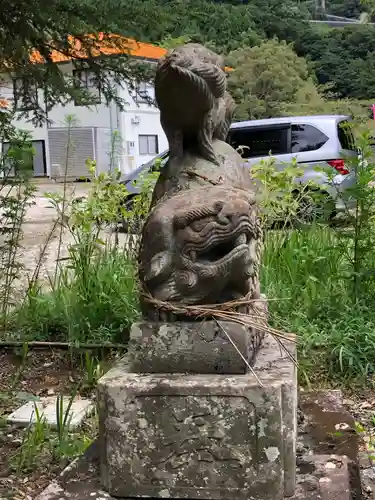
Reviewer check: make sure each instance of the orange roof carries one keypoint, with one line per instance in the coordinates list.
(102, 45)
(107, 45)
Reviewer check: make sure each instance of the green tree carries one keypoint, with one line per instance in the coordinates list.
(342, 57)
(345, 8)
(268, 79)
(56, 27)
(221, 25)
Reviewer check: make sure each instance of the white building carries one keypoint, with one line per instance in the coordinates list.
(113, 138)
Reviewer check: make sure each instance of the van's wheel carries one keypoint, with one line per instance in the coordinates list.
(135, 225)
(314, 205)
(131, 225)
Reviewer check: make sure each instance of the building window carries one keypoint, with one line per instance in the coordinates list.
(25, 93)
(144, 92)
(148, 145)
(84, 79)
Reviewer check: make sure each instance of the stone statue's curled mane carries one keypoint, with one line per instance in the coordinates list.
(195, 108)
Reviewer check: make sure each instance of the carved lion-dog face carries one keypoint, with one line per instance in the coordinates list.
(201, 246)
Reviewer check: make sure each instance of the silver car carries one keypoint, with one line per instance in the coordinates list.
(313, 141)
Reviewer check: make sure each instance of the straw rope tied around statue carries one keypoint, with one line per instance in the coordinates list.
(225, 312)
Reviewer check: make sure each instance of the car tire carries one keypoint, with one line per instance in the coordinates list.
(131, 225)
(314, 206)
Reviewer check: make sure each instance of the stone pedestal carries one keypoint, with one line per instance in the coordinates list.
(201, 436)
(190, 347)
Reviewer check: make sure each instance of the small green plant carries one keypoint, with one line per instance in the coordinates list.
(33, 442)
(140, 204)
(63, 419)
(16, 195)
(67, 444)
(22, 352)
(282, 199)
(93, 370)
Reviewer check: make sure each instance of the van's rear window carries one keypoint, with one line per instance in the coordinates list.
(346, 136)
(255, 141)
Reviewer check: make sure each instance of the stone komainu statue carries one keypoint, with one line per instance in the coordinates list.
(190, 89)
(201, 242)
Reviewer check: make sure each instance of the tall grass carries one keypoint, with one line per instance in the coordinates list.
(319, 279)
(93, 300)
(308, 276)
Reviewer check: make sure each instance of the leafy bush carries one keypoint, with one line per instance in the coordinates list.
(321, 281)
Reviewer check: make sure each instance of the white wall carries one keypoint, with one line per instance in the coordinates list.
(103, 117)
(93, 116)
(37, 133)
(148, 118)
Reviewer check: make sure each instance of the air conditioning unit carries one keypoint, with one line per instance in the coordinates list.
(136, 120)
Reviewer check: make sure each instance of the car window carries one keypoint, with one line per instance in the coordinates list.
(346, 137)
(307, 138)
(256, 141)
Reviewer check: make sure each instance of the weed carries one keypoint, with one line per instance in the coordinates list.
(67, 444)
(22, 352)
(33, 441)
(93, 370)
(94, 301)
(16, 195)
(39, 441)
(309, 275)
(63, 420)
(70, 122)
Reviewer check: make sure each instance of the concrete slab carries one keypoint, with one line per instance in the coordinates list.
(26, 414)
(318, 478)
(323, 477)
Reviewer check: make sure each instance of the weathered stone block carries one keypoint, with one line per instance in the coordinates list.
(191, 347)
(200, 436)
(320, 477)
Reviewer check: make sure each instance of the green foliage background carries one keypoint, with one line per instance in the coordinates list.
(337, 64)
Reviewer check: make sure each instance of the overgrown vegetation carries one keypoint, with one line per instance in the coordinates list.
(322, 280)
(92, 296)
(319, 276)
